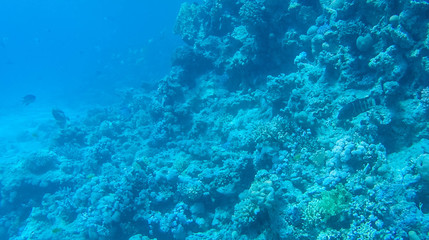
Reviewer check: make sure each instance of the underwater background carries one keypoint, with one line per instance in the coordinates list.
(214, 119)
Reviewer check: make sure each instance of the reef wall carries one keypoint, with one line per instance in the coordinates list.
(280, 119)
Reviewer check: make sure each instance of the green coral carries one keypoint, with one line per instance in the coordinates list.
(335, 201)
(330, 204)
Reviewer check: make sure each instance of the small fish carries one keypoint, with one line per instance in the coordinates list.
(60, 117)
(28, 99)
(357, 107)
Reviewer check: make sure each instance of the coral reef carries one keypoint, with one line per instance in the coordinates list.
(278, 120)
